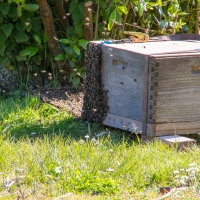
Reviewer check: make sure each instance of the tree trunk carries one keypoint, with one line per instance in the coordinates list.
(197, 17)
(88, 25)
(49, 27)
(61, 14)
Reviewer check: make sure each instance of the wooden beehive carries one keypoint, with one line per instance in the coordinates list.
(153, 87)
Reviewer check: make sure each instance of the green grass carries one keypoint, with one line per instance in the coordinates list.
(44, 151)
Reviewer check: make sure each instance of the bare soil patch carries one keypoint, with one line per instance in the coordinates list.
(66, 97)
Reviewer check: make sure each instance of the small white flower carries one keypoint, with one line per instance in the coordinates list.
(176, 172)
(111, 151)
(58, 170)
(182, 182)
(8, 182)
(81, 141)
(19, 170)
(110, 170)
(193, 165)
(184, 177)
(87, 136)
(176, 177)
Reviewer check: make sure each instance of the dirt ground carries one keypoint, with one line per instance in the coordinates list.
(71, 99)
(67, 98)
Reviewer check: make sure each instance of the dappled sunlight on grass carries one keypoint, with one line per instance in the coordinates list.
(44, 151)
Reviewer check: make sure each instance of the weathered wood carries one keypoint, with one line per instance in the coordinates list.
(173, 128)
(122, 76)
(177, 91)
(123, 123)
(173, 92)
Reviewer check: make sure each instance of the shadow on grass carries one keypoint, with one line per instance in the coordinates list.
(28, 117)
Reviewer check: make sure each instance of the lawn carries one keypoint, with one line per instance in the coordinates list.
(46, 153)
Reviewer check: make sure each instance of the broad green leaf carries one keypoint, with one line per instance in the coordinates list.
(13, 11)
(19, 10)
(76, 49)
(60, 56)
(45, 38)
(173, 8)
(7, 29)
(29, 51)
(153, 3)
(21, 37)
(20, 26)
(2, 50)
(65, 41)
(73, 74)
(20, 58)
(122, 9)
(1, 18)
(140, 8)
(37, 59)
(118, 18)
(4, 8)
(75, 81)
(3, 60)
(31, 7)
(83, 43)
(111, 20)
(182, 13)
(10, 46)
(28, 27)
(36, 25)
(72, 64)
(37, 38)
(3, 38)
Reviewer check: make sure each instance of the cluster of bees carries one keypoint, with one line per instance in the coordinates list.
(95, 98)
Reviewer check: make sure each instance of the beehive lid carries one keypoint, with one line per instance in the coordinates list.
(160, 47)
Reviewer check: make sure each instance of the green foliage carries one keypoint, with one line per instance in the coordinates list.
(73, 52)
(23, 43)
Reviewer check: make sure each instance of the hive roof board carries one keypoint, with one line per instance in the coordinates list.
(160, 47)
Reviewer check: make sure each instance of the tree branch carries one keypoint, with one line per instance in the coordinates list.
(49, 27)
(61, 14)
(88, 25)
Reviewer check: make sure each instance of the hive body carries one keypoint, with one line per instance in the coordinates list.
(154, 87)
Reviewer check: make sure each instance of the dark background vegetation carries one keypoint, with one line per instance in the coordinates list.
(43, 41)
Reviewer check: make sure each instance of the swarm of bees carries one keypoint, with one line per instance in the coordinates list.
(95, 98)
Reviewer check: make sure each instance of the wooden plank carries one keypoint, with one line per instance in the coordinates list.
(175, 95)
(159, 48)
(122, 76)
(123, 123)
(178, 126)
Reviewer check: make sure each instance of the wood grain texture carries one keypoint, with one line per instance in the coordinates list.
(177, 90)
(123, 123)
(122, 74)
(173, 86)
